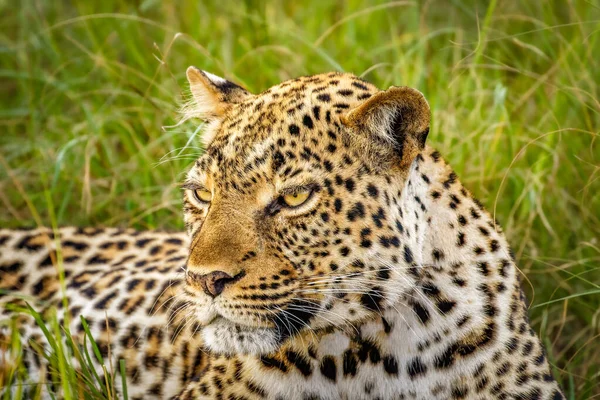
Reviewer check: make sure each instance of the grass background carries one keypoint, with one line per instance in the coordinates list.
(89, 90)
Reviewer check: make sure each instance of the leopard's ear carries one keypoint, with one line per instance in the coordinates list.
(211, 95)
(396, 118)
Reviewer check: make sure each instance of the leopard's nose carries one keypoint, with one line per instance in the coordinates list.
(214, 282)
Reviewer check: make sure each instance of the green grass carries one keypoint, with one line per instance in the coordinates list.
(514, 88)
(75, 370)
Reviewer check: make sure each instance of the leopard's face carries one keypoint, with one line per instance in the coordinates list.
(295, 209)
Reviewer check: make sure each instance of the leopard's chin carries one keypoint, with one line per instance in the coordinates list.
(226, 337)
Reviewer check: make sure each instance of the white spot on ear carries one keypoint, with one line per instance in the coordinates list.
(217, 80)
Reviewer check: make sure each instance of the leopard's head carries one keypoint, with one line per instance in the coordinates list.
(296, 208)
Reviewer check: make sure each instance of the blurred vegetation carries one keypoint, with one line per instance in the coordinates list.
(90, 92)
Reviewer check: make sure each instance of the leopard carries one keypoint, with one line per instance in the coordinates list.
(330, 253)
(126, 285)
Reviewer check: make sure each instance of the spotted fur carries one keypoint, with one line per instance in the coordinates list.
(390, 282)
(125, 283)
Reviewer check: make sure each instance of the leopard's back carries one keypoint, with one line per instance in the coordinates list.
(125, 283)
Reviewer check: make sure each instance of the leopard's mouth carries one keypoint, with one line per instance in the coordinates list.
(225, 336)
(240, 326)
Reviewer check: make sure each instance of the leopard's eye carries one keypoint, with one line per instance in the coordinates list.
(296, 199)
(203, 195)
